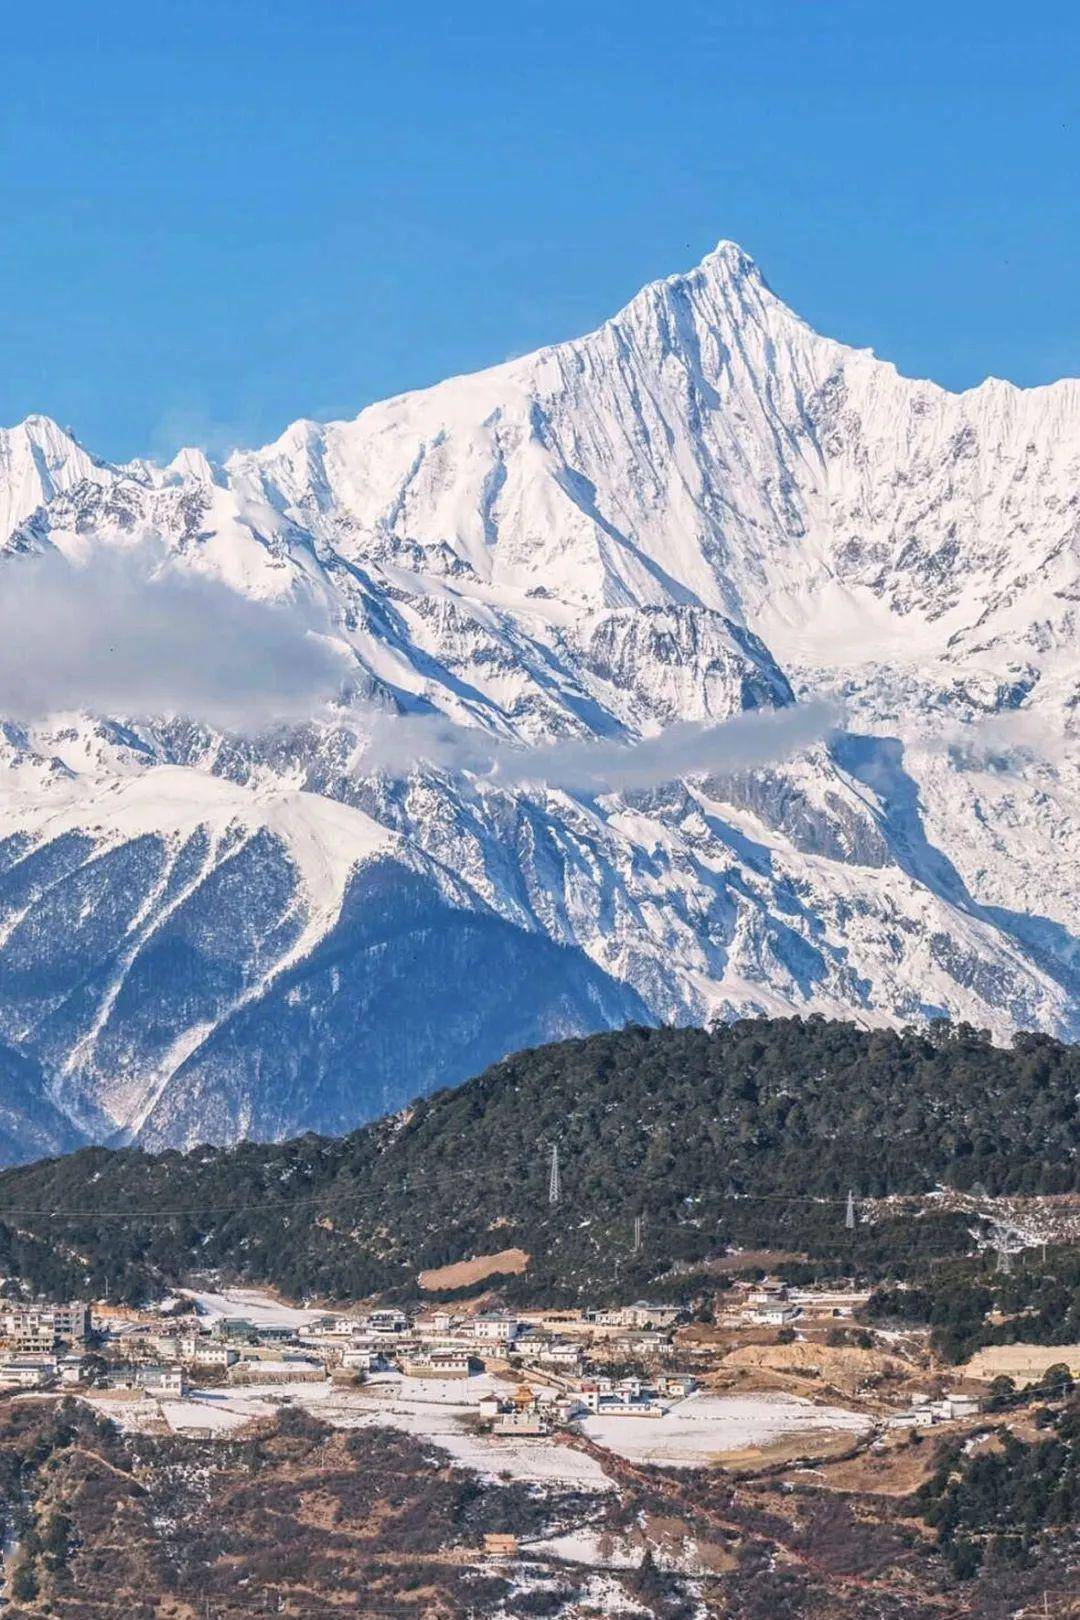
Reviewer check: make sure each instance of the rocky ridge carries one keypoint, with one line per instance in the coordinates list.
(704, 508)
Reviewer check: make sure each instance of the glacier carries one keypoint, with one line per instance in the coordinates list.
(702, 509)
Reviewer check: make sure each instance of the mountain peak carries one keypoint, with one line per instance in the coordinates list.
(192, 462)
(731, 257)
(39, 459)
(731, 266)
(728, 276)
(41, 430)
(624, 536)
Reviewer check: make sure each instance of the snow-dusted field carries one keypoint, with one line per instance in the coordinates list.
(440, 1411)
(443, 1411)
(206, 1411)
(701, 1427)
(249, 1303)
(600, 1549)
(437, 1410)
(590, 1547)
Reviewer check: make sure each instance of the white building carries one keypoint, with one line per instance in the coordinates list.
(955, 1406)
(438, 1364)
(678, 1385)
(362, 1358)
(829, 1301)
(641, 1314)
(162, 1380)
(39, 1326)
(195, 1349)
(920, 1417)
(293, 1370)
(334, 1327)
(518, 1421)
(644, 1341)
(495, 1327)
(209, 1354)
(644, 1314)
(775, 1313)
(28, 1372)
(434, 1325)
(557, 1353)
(387, 1323)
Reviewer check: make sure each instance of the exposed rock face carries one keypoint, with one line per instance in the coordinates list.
(702, 508)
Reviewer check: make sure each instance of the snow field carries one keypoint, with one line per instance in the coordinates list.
(704, 1426)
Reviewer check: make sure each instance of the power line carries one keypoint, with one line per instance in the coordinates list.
(332, 1197)
(415, 1183)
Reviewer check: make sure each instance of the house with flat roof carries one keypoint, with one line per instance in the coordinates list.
(437, 1364)
(28, 1372)
(495, 1327)
(775, 1313)
(288, 1370)
(161, 1380)
(39, 1326)
(521, 1420)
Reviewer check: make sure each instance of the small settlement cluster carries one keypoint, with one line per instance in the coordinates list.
(166, 1354)
(44, 1344)
(200, 1359)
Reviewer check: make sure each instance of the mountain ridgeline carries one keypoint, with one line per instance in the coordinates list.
(749, 1134)
(216, 926)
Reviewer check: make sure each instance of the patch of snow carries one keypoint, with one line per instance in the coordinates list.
(252, 1305)
(703, 1426)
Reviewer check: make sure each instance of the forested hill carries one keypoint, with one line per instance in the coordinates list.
(747, 1134)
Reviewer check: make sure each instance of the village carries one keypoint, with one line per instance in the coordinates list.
(605, 1420)
(779, 1373)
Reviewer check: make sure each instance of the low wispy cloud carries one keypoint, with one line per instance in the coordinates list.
(131, 635)
(397, 745)
(1010, 741)
(126, 634)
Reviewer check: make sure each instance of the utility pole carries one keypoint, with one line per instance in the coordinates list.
(554, 1186)
(849, 1213)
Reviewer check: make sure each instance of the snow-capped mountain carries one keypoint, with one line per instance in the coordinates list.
(702, 508)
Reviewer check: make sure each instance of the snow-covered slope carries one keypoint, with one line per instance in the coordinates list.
(701, 508)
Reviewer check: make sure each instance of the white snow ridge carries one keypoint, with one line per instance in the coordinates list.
(701, 510)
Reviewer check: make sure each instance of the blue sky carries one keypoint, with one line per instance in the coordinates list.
(219, 217)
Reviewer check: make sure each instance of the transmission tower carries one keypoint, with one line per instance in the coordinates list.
(1004, 1260)
(639, 1228)
(554, 1187)
(849, 1213)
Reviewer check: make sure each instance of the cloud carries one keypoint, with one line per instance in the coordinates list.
(190, 426)
(399, 744)
(1012, 740)
(127, 634)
